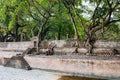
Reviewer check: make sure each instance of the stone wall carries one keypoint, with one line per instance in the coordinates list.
(9, 46)
(9, 49)
(61, 46)
(107, 44)
(72, 43)
(70, 46)
(102, 68)
(59, 43)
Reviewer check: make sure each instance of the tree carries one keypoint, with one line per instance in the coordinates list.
(40, 11)
(105, 13)
(102, 17)
(12, 16)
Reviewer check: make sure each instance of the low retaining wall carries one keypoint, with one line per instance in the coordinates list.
(72, 43)
(67, 46)
(15, 46)
(63, 47)
(95, 67)
(59, 43)
(80, 67)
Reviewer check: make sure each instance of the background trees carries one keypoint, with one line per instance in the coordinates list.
(12, 17)
(87, 20)
(34, 18)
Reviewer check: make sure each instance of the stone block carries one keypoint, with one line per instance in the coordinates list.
(17, 62)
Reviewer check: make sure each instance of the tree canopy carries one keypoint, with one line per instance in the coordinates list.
(86, 20)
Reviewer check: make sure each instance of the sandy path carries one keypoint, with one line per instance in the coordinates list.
(19, 74)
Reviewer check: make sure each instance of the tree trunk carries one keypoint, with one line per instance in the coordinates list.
(74, 26)
(89, 47)
(21, 37)
(90, 44)
(39, 39)
(1, 37)
(40, 33)
(38, 43)
(15, 32)
(59, 33)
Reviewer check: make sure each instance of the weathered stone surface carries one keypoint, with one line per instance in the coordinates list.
(1, 60)
(107, 44)
(44, 44)
(65, 50)
(59, 51)
(72, 43)
(82, 50)
(61, 46)
(29, 51)
(88, 67)
(58, 43)
(17, 62)
(68, 46)
(43, 51)
(15, 46)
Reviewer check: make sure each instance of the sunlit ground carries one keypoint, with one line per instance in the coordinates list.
(7, 73)
(20, 74)
(77, 78)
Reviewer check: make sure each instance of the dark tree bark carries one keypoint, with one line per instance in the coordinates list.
(90, 43)
(1, 37)
(59, 32)
(15, 32)
(40, 32)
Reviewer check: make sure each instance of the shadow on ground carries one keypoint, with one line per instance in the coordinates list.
(77, 78)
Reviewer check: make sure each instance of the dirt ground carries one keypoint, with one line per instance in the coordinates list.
(77, 78)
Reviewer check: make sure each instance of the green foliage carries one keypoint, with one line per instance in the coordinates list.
(29, 15)
(112, 33)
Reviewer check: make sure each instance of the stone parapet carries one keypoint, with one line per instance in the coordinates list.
(72, 43)
(15, 46)
(106, 69)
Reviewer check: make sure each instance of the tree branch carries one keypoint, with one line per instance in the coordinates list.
(46, 10)
(109, 4)
(38, 10)
(30, 13)
(105, 25)
(114, 21)
(95, 10)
